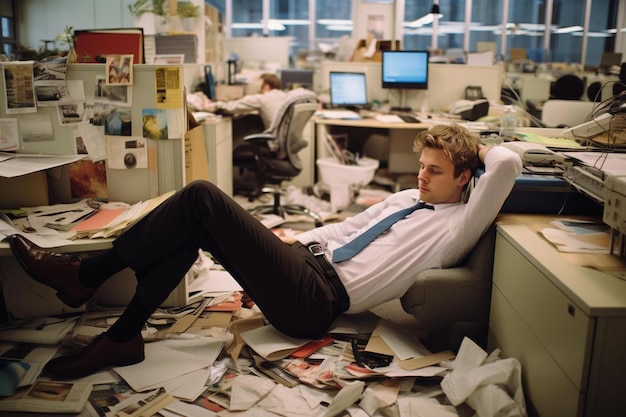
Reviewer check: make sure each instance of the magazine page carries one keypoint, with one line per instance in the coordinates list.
(49, 397)
(35, 357)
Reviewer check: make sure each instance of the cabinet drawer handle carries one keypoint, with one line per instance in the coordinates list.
(571, 310)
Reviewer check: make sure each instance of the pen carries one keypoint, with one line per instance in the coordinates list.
(60, 212)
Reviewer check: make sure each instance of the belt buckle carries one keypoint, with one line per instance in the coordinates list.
(316, 249)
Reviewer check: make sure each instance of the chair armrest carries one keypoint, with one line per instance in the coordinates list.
(441, 297)
(259, 138)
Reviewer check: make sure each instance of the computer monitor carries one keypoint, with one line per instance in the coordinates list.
(294, 78)
(348, 89)
(609, 59)
(405, 69)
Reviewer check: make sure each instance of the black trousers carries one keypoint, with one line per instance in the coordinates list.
(285, 281)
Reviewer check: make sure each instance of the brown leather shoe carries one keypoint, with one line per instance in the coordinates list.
(58, 271)
(100, 353)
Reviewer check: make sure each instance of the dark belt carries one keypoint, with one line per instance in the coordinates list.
(331, 276)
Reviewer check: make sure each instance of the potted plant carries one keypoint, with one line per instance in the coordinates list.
(67, 38)
(139, 7)
(187, 11)
(149, 11)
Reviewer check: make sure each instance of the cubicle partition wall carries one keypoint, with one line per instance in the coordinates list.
(269, 53)
(165, 172)
(447, 83)
(166, 167)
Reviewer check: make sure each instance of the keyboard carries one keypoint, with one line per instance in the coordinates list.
(407, 118)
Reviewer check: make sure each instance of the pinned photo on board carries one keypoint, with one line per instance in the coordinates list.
(119, 69)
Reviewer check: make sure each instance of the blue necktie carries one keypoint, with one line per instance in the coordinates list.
(357, 244)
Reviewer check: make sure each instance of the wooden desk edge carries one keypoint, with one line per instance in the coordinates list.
(81, 245)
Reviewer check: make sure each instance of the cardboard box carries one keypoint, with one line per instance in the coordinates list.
(366, 51)
(28, 190)
(196, 163)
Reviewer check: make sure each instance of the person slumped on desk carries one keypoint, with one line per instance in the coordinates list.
(266, 102)
(303, 286)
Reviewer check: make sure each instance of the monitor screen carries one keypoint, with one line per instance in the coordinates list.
(294, 78)
(348, 89)
(610, 58)
(405, 69)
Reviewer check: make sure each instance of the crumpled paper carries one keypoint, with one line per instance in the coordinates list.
(490, 385)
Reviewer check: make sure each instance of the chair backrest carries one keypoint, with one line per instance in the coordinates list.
(569, 113)
(288, 124)
(594, 91)
(567, 87)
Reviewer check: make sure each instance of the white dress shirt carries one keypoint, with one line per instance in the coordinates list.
(266, 103)
(425, 239)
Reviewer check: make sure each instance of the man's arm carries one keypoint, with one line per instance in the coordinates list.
(482, 152)
(248, 102)
(502, 166)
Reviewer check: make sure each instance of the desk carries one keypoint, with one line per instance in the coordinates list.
(400, 156)
(566, 324)
(41, 300)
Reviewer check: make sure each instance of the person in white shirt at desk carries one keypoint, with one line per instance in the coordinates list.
(297, 286)
(266, 102)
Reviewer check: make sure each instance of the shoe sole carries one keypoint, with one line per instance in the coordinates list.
(61, 296)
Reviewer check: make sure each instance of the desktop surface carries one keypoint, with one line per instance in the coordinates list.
(368, 118)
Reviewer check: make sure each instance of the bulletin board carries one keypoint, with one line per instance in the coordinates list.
(166, 168)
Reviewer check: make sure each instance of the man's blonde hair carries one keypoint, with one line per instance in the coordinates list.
(456, 141)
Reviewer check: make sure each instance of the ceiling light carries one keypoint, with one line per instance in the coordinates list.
(273, 24)
(568, 29)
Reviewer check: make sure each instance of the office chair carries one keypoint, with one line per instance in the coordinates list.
(566, 113)
(453, 303)
(273, 155)
(567, 87)
(594, 91)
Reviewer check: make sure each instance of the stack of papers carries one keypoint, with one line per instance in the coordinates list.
(561, 143)
(338, 114)
(389, 118)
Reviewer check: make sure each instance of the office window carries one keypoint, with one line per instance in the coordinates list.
(8, 39)
(247, 19)
(290, 18)
(418, 26)
(486, 26)
(524, 28)
(333, 20)
(603, 18)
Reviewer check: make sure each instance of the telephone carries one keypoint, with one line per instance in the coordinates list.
(461, 106)
(470, 109)
(534, 153)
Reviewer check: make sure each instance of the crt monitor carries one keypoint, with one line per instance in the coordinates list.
(405, 69)
(294, 78)
(348, 89)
